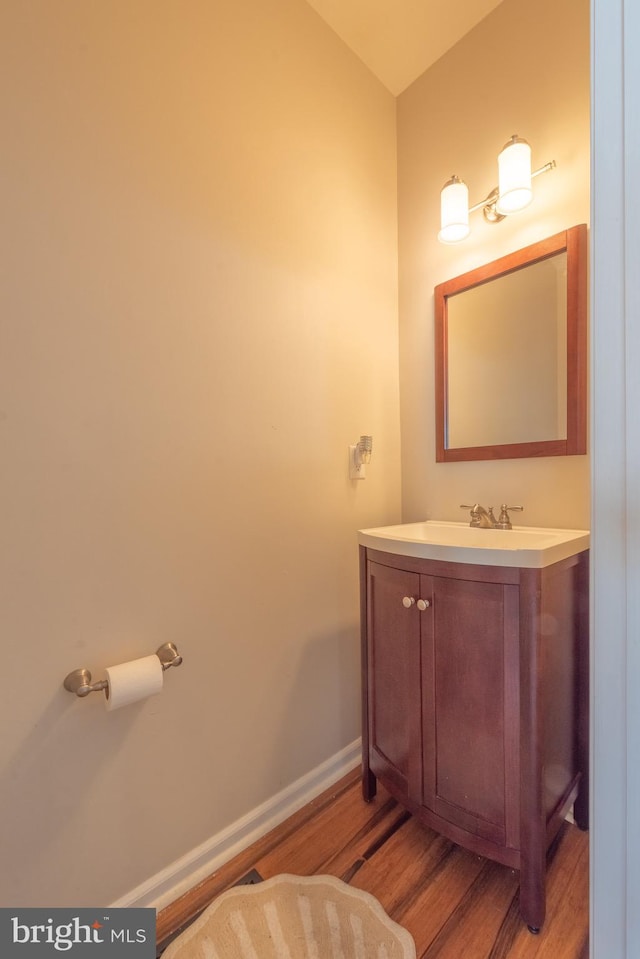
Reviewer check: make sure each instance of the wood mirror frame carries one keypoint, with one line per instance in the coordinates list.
(574, 242)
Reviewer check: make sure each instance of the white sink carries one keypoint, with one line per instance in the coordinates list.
(527, 546)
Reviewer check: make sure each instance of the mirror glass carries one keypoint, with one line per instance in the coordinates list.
(511, 355)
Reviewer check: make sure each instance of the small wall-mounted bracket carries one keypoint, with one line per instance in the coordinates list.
(79, 682)
(359, 456)
(357, 469)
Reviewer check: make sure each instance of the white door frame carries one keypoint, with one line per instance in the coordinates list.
(615, 443)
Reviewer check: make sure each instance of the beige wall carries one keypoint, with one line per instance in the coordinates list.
(199, 314)
(524, 69)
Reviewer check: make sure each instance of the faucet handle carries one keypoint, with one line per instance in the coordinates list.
(504, 521)
(475, 513)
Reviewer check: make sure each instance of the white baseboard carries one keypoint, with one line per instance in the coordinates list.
(185, 873)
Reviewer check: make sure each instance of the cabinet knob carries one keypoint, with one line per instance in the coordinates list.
(424, 604)
(408, 601)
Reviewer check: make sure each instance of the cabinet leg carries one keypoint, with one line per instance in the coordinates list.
(581, 806)
(533, 896)
(369, 784)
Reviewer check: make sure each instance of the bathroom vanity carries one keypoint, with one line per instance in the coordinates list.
(475, 685)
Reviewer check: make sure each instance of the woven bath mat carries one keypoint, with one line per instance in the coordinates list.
(294, 917)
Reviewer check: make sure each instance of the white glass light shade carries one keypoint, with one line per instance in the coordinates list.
(454, 211)
(514, 176)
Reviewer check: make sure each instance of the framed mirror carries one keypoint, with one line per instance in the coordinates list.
(511, 355)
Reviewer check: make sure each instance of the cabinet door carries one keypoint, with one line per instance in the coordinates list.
(393, 640)
(470, 706)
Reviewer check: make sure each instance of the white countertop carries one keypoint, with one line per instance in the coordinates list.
(523, 546)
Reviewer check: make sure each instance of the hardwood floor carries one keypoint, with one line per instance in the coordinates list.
(455, 904)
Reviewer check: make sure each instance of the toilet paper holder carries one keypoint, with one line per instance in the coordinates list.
(79, 680)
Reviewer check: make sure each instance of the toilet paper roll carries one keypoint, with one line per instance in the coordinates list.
(133, 681)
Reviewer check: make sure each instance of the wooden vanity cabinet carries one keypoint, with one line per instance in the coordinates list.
(475, 702)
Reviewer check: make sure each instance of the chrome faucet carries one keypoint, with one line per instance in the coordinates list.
(484, 519)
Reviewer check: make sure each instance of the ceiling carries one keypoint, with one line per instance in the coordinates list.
(399, 39)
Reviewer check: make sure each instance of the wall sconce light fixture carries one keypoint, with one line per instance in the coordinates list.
(512, 194)
(359, 456)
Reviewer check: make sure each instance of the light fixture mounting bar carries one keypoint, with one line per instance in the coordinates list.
(492, 197)
(551, 165)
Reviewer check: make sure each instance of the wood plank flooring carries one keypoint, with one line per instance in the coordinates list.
(456, 905)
